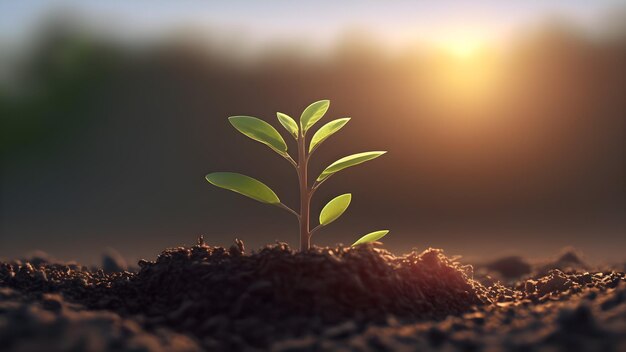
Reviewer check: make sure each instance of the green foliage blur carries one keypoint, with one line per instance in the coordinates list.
(52, 88)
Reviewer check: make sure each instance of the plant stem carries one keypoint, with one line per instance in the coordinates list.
(305, 197)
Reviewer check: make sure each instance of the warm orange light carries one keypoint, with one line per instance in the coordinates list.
(464, 77)
(462, 47)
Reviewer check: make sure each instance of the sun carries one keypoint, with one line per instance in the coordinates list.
(461, 42)
(462, 47)
(465, 75)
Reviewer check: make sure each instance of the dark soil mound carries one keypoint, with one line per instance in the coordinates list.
(210, 298)
(511, 269)
(568, 260)
(228, 299)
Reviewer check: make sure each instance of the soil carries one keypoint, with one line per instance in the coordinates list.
(342, 299)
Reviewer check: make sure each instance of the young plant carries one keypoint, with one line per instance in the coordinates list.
(263, 132)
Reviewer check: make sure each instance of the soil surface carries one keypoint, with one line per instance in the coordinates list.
(341, 299)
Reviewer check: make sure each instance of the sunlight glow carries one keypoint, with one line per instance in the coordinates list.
(462, 44)
(465, 79)
(463, 48)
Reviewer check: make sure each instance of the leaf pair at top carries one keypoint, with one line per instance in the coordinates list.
(263, 132)
(309, 117)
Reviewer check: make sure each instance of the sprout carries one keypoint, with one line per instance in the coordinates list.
(263, 132)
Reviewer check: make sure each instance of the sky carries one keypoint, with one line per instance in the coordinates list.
(317, 21)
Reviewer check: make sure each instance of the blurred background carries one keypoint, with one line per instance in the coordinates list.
(504, 123)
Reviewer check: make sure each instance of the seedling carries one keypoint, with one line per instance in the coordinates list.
(263, 132)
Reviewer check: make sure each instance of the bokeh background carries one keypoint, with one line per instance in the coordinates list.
(504, 123)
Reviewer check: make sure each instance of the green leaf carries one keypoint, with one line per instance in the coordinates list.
(371, 237)
(333, 210)
(260, 131)
(312, 114)
(290, 125)
(326, 131)
(348, 161)
(245, 185)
